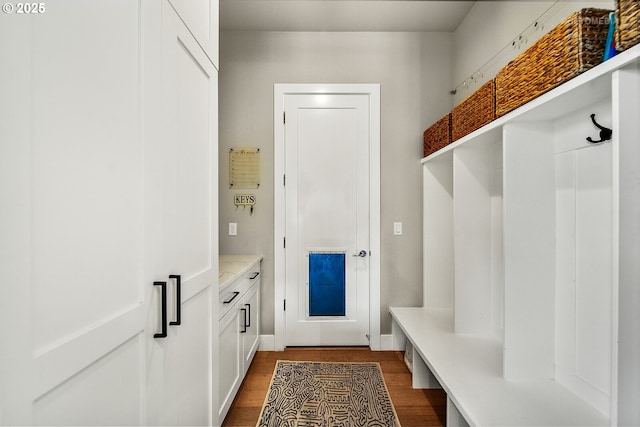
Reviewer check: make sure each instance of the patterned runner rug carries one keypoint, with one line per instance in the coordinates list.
(320, 394)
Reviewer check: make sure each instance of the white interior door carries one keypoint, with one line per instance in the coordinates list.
(327, 219)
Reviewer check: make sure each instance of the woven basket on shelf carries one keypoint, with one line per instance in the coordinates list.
(571, 48)
(475, 111)
(628, 23)
(438, 135)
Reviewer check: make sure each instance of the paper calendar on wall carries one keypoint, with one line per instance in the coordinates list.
(244, 168)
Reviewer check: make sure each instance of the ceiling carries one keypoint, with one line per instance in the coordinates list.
(342, 15)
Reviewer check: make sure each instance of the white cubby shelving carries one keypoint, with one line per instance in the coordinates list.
(531, 303)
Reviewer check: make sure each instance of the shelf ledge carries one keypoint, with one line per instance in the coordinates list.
(587, 87)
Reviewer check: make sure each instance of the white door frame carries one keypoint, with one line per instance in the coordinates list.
(280, 91)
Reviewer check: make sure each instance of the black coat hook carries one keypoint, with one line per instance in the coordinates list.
(605, 133)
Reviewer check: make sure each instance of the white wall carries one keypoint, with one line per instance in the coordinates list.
(414, 72)
(489, 29)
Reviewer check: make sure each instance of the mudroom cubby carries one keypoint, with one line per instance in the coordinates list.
(477, 237)
(531, 253)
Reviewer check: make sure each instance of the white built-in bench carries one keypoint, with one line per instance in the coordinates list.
(469, 369)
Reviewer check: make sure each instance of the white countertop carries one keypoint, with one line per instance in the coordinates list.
(233, 266)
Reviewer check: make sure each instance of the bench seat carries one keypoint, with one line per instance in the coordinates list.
(469, 369)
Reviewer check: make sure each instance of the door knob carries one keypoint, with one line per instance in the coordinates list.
(361, 254)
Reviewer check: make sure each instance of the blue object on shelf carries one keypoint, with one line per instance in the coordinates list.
(610, 46)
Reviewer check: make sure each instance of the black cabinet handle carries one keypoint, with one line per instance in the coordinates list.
(255, 274)
(235, 294)
(178, 302)
(163, 286)
(245, 321)
(248, 318)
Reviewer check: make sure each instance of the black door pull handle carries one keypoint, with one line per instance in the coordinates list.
(248, 319)
(244, 331)
(235, 294)
(178, 302)
(163, 286)
(255, 274)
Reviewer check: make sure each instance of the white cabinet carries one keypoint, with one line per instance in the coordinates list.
(250, 332)
(530, 290)
(74, 301)
(109, 169)
(239, 310)
(180, 167)
(192, 362)
(202, 17)
(229, 361)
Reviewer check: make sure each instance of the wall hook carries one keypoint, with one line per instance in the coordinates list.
(605, 133)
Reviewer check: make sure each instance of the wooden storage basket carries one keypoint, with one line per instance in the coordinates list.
(628, 23)
(438, 135)
(475, 111)
(571, 48)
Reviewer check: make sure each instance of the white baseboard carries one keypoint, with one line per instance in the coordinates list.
(386, 342)
(267, 343)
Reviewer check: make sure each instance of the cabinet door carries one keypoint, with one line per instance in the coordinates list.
(251, 336)
(202, 18)
(229, 360)
(73, 303)
(187, 201)
(192, 361)
(190, 87)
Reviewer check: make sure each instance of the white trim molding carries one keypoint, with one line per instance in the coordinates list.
(267, 343)
(387, 343)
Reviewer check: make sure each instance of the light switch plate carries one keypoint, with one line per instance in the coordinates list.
(233, 229)
(397, 229)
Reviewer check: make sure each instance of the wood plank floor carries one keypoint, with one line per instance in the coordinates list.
(414, 407)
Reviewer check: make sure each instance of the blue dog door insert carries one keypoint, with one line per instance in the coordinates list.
(327, 284)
